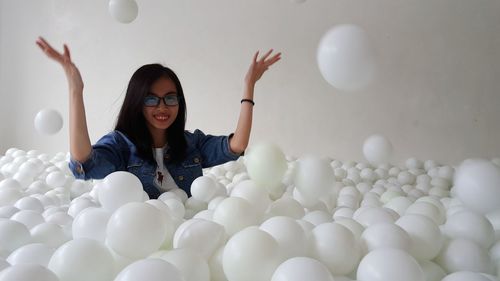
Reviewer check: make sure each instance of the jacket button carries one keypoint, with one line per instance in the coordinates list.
(196, 160)
(181, 178)
(79, 169)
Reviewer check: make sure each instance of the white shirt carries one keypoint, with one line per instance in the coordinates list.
(163, 180)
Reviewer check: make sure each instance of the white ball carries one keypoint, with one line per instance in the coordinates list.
(235, 214)
(466, 276)
(202, 236)
(288, 233)
(286, 206)
(48, 121)
(388, 264)
(336, 246)
(13, 235)
(50, 234)
(192, 266)
(119, 188)
(91, 223)
(254, 194)
(124, 11)
(465, 255)
(266, 164)
(251, 255)
(27, 272)
(135, 222)
(203, 188)
(377, 149)
(74, 259)
(314, 177)
(346, 58)
(302, 268)
(35, 253)
(151, 269)
(56, 179)
(385, 235)
(477, 185)
(470, 225)
(425, 234)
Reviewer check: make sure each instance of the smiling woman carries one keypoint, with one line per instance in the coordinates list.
(150, 139)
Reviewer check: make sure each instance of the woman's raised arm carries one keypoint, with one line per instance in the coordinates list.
(241, 137)
(80, 146)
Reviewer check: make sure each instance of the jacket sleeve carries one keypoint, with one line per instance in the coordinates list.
(106, 156)
(214, 150)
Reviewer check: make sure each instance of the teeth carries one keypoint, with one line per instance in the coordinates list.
(161, 117)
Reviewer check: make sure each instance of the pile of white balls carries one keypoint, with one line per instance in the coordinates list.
(265, 217)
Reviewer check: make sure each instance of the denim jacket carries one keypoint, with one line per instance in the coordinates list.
(115, 152)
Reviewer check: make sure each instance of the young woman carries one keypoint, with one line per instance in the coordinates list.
(149, 139)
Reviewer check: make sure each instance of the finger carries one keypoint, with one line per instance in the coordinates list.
(66, 52)
(266, 55)
(273, 59)
(255, 56)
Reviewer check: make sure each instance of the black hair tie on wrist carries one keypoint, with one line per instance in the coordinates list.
(248, 100)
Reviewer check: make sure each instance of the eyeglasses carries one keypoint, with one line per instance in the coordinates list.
(169, 100)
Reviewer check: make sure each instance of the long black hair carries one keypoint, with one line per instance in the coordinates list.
(131, 119)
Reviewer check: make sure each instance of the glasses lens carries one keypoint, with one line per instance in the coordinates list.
(171, 100)
(151, 101)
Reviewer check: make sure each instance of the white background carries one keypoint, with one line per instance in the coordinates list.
(436, 96)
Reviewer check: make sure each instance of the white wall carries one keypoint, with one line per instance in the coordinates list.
(437, 95)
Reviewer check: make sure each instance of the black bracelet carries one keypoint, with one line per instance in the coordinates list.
(247, 100)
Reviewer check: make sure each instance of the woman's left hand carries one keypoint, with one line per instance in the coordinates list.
(259, 66)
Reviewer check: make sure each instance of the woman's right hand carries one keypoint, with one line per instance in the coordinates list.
(72, 73)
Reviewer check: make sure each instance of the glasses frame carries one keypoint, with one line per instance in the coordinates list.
(159, 99)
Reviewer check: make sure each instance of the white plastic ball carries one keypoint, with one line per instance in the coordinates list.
(235, 214)
(119, 188)
(202, 236)
(302, 268)
(314, 177)
(91, 223)
(257, 196)
(124, 11)
(192, 266)
(27, 272)
(50, 234)
(203, 188)
(266, 164)
(151, 269)
(465, 276)
(135, 222)
(425, 234)
(286, 206)
(385, 235)
(465, 255)
(251, 255)
(48, 121)
(377, 149)
(346, 58)
(388, 264)
(35, 253)
(13, 235)
(477, 185)
(288, 233)
(335, 246)
(56, 179)
(470, 225)
(82, 259)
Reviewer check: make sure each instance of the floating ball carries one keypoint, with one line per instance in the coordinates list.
(48, 122)
(377, 149)
(124, 11)
(346, 58)
(266, 164)
(314, 177)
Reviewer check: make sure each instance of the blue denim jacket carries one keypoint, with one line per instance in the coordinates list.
(115, 152)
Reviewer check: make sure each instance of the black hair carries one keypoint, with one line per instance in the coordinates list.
(131, 119)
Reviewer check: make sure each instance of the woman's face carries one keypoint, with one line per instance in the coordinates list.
(160, 117)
